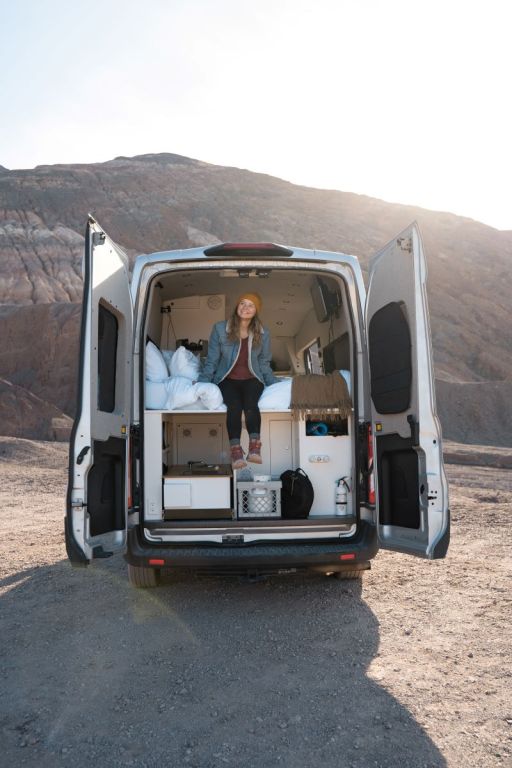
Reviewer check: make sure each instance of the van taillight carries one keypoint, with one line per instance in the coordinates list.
(371, 479)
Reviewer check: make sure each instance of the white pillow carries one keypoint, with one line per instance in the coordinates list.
(209, 395)
(156, 395)
(171, 394)
(156, 369)
(184, 363)
(277, 396)
(180, 392)
(167, 356)
(195, 406)
(200, 406)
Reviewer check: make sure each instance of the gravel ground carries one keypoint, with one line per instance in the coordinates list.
(411, 667)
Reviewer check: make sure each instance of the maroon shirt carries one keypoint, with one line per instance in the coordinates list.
(240, 370)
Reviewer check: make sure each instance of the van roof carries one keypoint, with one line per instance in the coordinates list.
(256, 251)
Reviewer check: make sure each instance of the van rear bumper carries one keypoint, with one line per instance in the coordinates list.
(257, 558)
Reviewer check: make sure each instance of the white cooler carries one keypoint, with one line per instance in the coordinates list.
(184, 489)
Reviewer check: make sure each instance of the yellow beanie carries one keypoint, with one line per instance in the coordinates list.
(254, 297)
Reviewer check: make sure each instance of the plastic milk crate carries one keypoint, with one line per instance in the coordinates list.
(258, 498)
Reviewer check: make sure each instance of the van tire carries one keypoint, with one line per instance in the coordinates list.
(344, 575)
(138, 576)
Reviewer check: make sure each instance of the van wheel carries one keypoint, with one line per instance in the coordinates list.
(138, 576)
(343, 575)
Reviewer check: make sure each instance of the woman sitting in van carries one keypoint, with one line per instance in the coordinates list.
(239, 362)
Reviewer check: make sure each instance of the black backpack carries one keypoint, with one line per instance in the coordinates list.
(296, 494)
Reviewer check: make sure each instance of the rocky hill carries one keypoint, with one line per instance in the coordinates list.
(157, 202)
(25, 414)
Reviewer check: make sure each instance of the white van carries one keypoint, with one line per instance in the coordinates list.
(154, 481)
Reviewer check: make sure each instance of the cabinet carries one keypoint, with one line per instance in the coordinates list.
(173, 438)
(197, 440)
(324, 459)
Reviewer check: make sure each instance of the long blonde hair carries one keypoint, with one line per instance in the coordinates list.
(255, 327)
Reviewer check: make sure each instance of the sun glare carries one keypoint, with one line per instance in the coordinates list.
(399, 100)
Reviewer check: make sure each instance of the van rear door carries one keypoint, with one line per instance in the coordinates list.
(96, 510)
(411, 488)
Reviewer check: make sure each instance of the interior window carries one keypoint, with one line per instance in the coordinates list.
(108, 330)
(313, 358)
(336, 354)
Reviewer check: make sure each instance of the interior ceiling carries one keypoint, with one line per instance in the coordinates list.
(286, 295)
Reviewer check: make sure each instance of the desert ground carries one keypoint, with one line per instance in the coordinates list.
(409, 667)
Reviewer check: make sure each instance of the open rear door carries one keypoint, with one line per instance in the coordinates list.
(411, 487)
(96, 511)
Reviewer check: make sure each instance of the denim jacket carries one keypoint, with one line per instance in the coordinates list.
(222, 355)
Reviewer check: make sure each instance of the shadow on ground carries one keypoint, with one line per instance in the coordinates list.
(199, 672)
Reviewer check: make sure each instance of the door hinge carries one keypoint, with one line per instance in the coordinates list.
(405, 243)
(77, 504)
(98, 238)
(414, 426)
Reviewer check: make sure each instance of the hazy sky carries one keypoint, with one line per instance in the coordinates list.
(399, 99)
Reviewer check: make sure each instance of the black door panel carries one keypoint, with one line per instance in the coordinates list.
(105, 487)
(397, 463)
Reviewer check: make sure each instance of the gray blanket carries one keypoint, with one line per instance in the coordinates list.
(320, 396)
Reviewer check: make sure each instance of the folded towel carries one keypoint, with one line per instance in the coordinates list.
(321, 396)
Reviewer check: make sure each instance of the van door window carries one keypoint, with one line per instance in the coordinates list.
(390, 359)
(108, 331)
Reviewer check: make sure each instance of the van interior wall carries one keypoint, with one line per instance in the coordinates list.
(191, 318)
(288, 312)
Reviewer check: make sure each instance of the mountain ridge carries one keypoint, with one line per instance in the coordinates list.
(163, 201)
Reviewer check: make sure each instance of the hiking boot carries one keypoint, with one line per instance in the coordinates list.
(237, 457)
(254, 455)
